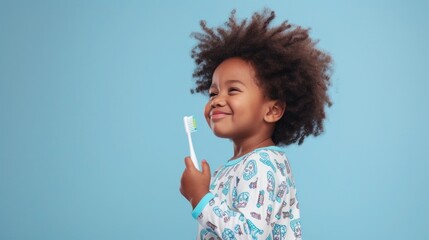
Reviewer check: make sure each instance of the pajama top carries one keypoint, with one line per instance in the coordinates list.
(251, 197)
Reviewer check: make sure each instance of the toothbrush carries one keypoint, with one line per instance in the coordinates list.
(190, 127)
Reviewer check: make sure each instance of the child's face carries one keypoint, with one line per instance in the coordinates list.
(237, 105)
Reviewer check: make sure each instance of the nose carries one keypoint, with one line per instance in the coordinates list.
(217, 102)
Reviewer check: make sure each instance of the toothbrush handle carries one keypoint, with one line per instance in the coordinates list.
(192, 152)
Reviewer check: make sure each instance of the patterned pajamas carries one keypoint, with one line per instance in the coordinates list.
(252, 197)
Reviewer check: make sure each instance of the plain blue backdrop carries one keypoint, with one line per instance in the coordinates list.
(92, 95)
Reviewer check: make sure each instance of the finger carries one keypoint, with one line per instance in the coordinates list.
(206, 167)
(188, 163)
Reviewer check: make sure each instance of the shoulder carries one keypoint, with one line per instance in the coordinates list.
(271, 158)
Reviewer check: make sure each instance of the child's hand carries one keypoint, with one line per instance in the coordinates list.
(194, 184)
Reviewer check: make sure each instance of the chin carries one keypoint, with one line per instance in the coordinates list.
(221, 134)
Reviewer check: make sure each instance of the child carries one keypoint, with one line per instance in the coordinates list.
(267, 88)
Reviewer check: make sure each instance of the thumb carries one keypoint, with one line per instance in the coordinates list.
(205, 167)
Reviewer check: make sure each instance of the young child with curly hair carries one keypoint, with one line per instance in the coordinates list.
(267, 88)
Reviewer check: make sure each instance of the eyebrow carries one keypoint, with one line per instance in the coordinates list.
(231, 81)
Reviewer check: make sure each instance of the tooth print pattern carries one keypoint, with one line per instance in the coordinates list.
(251, 197)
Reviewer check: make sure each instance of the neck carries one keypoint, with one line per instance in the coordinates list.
(243, 147)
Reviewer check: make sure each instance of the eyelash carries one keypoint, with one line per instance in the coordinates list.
(233, 89)
(212, 94)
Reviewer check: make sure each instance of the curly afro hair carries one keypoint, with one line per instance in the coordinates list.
(288, 67)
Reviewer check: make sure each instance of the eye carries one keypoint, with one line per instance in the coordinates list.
(212, 94)
(234, 90)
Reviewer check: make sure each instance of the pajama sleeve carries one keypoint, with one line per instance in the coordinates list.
(257, 193)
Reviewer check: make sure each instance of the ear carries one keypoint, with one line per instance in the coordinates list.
(275, 111)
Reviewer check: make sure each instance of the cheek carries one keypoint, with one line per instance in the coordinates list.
(237, 105)
(207, 112)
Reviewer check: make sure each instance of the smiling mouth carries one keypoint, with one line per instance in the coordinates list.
(217, 116)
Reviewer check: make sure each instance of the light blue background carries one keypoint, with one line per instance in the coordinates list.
(92, 95)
